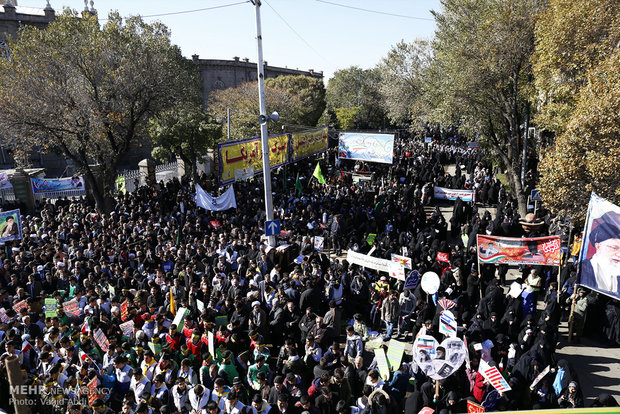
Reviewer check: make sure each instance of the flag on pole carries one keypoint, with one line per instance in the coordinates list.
(173, 306)
(318, 174)
(298, 186)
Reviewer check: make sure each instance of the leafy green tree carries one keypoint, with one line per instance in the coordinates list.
(402, 79)
(356, 87)
(572, 38)
(347, 117)
(243, 104)
(480, 75)
(87, 91)
(187, 131)
(311, 93)
(586, 156)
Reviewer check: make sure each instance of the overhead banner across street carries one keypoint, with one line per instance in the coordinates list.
(516, 251)
(442, 193)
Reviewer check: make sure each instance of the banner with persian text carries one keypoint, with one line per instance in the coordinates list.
(241, 155)
(306, 143)
(516, 251)
(442, 193)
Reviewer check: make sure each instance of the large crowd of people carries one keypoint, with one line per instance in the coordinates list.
(222, 323)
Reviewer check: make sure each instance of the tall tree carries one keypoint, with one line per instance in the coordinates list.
(311, 93)
(356, 87)
(480, 75)
(572, 38)
(87, 91)
(187, 131)
(402, 77)
(586, 155)
(243, 104)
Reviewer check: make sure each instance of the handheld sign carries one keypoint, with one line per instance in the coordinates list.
(382, 363)
(412, 280)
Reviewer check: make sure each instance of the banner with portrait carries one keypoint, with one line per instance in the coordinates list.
(241, 155)
(310, 142)
(5, 182)
(52, 185)
(10, 225)
(366, 147)
(544, 251)
(599, 259)
(441, 193)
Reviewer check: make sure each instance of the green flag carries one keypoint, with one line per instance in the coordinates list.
(298, 186)
(318, 174)
(371, 238)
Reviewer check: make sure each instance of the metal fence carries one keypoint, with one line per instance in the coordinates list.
(166, 172)
(7, 195)
(60, 194)
(132, 180)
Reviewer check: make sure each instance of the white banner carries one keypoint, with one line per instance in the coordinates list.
(370, 262)
(402, 260)
(442, 193)
(208, 202)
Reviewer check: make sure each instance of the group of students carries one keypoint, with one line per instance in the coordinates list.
(182, 310)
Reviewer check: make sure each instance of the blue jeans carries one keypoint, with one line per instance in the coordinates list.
(389, 327)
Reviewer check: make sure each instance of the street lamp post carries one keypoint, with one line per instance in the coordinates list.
(263, 122)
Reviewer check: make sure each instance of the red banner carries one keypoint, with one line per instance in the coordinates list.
(124, 310)
(472, 407)
(544, 251)
(442, 257)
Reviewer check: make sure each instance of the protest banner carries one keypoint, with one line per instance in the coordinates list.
(5, 183)
(10, 225)
(71, 307)
(490, 400)
(127, 327)
(211, 345)
(427, 410)
(221, 320)
(101, 340)
(318, 243)
(402, 260)
(178, 318)
(518, 251)
(447, 323)
(247, 154)
(364, 260)
(200, 305)
(20, 305)
(92, 390)
(124, 310)
(412, 280)
(370, 239)
(395, 354)
(397, 271)
(51, 185)
(540, 376)
(473, 407)
(382, 364)
(494, 377)
(366, 147)
(443, 257)
(307, 143)
(216, 224)
(438, 361)
(4, 318)
(441, 193)
(598, 268)
(51, 308)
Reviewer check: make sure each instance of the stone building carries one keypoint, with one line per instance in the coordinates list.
(216, 74)
(224, 74)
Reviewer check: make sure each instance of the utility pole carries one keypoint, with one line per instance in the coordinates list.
(228, 122)
(263, 121)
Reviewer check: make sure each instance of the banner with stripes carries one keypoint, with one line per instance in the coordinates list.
(447, 323)
(494, 377)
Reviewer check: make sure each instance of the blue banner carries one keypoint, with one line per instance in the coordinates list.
(52, 185)
(10, 225)
(366, 147)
